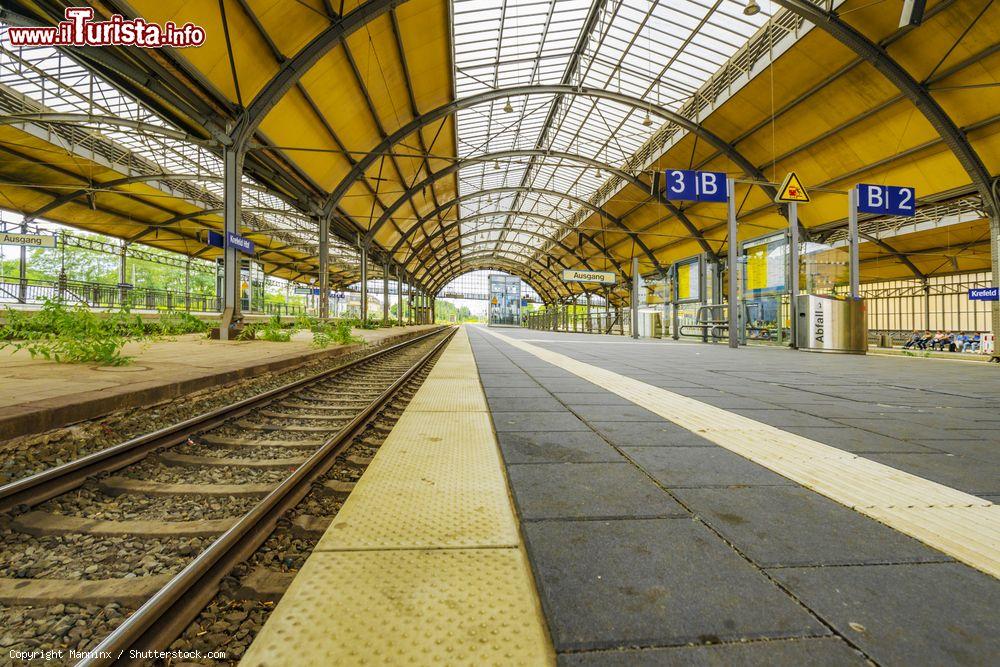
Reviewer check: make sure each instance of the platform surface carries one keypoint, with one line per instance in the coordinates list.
(38, 393)
(423, 565)
(692, 504)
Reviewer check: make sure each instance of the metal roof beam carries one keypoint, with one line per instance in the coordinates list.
(533, 154)
(543, 272)
(464, 246)
(564, 247)
(898, 254)
(508, 189)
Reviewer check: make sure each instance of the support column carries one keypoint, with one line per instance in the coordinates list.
(187, 285)
(927, 305)
(364, 282)
(733, 307)
(433, 311)
(22, 270)
(635, 297)
(589, 326)
(852, 242)
(232, 185)
(399, 295)
(324, 268)
(793, 268)
(995, 262)
(385, 293)
(409, 300)
(123, 273)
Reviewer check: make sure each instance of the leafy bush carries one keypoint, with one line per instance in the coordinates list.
(340, 333)
(274, 332)
(73, 335)
(306, 322)
(173, 323)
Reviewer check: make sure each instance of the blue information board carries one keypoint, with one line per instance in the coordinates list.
(887, 200)
(985, 294)
(690, 185)
(215, 239)
(241, 243)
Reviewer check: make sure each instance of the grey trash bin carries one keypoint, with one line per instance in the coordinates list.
(831, 324)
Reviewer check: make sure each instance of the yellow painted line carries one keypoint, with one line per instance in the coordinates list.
(423, 565)
(959, 524)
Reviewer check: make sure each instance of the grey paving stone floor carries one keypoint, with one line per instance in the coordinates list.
(653, 546)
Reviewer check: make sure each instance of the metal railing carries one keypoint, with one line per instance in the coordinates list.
(102, 295)
(598, 322)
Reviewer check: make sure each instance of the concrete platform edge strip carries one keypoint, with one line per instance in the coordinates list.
(425, 553)
(958, 524)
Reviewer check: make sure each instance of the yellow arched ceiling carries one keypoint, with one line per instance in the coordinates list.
(818, 110)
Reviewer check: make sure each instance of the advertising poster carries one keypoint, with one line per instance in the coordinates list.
(688, 281)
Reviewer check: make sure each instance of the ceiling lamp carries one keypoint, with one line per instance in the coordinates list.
(647, 121)
(507, 108)
(751, 8)
(496, 165)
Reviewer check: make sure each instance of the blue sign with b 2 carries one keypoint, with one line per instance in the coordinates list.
(887, 200)
(690, 185)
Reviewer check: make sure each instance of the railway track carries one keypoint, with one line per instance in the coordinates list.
(139, 536)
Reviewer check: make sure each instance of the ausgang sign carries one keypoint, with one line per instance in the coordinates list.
(35, 240)
(574, 276)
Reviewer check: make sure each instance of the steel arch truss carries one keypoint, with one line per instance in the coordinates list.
(509, 189)
(522, 253)
(533, 153)
(460, 268)
(491, 214)
(360, 168)
(540, 272)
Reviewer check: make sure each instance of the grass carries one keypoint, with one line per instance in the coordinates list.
(272, 331)
(328, 333)
(75, 334)
(72, 335)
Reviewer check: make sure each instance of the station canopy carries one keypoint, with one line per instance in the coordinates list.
(522, 135)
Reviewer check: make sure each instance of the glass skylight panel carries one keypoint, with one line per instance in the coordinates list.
(659, 51)
(58, 83)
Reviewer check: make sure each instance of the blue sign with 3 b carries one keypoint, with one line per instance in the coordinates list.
(690, 185)
(887, 200)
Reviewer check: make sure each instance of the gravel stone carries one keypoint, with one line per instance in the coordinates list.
(90, 502)
(81, 556)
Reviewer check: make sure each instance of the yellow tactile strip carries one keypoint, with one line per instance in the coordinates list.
(433, 483)
(442, 394)
(959, 524)
(423, 564)
(420, 607)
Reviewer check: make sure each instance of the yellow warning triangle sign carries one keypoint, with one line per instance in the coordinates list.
(791, 190)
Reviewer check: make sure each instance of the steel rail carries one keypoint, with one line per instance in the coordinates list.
(165, 615)
(57, 480)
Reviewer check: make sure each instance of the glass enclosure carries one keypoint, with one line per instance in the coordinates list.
(765, 288)
(505, 300)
